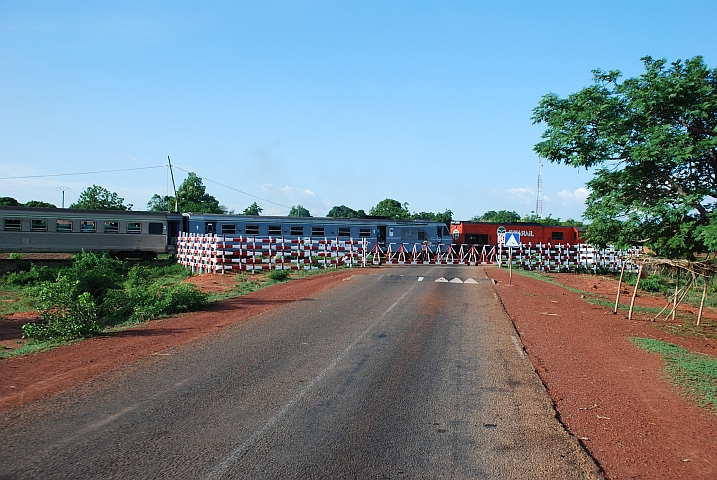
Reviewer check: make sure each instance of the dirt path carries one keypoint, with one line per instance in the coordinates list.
(609, 394)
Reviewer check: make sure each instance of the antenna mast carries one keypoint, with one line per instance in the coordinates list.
(176, 200)
(539, 199)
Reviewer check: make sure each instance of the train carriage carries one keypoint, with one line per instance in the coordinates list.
(57, 230)
(484, 233)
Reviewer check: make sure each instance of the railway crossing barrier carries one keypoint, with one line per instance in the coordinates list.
(219, 253)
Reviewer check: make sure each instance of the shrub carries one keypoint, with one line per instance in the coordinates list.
(144, 302)
(279, 275)
(65, 316)
(651, 283)
(15, 256)
(36, 274)
(95, 274)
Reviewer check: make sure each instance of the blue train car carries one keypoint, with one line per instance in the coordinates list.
(376, 230)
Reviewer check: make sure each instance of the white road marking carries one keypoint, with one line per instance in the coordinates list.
(238, 452)
(470, 280)
(456, 280)
(517, 346)
(441, 280)
(420, 279)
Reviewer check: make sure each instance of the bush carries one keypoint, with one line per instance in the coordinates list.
(279, 275)
(65, 316)
(95, 274)
(36, 274)
(651, 284)
(144, 302)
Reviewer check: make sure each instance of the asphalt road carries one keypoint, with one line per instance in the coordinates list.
(384, 376)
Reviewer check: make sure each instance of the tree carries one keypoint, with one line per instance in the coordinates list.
(445, 217)
(193, 197)
(391, 208)
(342, 211)
(40, 204)
(9, 202)
(99, 198)
(501, 216)
(653, 140)
(253, 209)
(299, 211)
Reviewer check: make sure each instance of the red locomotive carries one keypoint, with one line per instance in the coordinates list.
(484, 233)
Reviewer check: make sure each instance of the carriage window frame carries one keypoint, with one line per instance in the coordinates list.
(15, 225)
(111, 226)
(229, 229)
(318, 231)
(297, 230)
(38, 225)
(134, 227)
(344, 231)
(63, 225)
(251, 229)
(556, 236)
(364, 232)
(88, 226)
(275, 230)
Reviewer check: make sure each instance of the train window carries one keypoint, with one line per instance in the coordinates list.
(155, 228)
(230, 229)
(111, 227)
(557, 236)
(64, 225)
(421, 235)
(13, 224)
(134, 227)
(88, 226)
(344, 231)
(297, 230)
(38, 225)
(274, 229)
(317, 231)
(252, 229)
(364, 232)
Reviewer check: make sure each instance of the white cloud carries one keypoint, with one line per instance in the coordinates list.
(291, 196)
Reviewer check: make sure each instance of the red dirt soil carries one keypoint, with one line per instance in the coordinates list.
(612, 396)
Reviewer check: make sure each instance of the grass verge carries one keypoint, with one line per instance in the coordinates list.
(694, 375)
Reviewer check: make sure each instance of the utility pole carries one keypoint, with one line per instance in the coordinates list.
(174, 186)
(63, 188)
(539, 199)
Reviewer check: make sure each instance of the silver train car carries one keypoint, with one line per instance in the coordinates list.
(58, 230)
(146, 234)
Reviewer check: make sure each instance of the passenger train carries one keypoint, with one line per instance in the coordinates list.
(146, 234)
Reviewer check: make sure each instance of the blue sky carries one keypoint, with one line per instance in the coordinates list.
(318, 103)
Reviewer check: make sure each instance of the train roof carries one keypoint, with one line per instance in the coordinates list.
(81, 211)
(286, 219)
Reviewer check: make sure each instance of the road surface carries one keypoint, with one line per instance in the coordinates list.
(413, 372)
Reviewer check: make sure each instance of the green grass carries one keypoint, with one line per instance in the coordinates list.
(695, 376)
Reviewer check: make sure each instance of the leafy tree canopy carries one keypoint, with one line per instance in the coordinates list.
(653, 141)
(253, 209)
(99, 198)
(9, 202)
(501, 216)
(193, 197)
(38, 203)
(391, 208)
(445, 217)
(342, 211)
(299, 211)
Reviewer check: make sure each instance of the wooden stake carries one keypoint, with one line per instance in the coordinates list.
(702, 303)
(619, 285)
(634, 292)
(674, 302)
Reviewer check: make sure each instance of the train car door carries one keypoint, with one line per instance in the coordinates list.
(172, 232)
(210, 228)
(381, 235)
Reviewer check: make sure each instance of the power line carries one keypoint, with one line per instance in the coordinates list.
(83, 173)
(236, 190)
